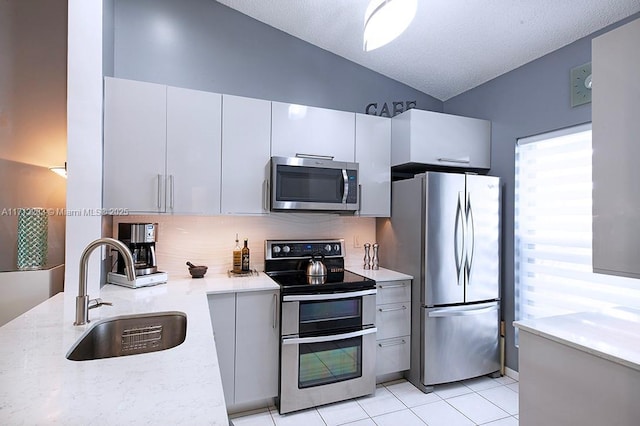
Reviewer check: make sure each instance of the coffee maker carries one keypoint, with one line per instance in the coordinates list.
(141, 240)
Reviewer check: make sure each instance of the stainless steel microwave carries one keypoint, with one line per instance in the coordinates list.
(313, 183)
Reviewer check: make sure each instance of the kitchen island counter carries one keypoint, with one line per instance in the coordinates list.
(567, 362)
(612, 334)
(181, 385)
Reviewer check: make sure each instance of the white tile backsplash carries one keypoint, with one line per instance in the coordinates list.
(209, 240)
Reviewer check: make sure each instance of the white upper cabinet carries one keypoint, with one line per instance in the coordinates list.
(135, 122)
(438, 139)
(161, 148)
(616, 126)
(246, 136)
(373, 154)
(193, 151)
(298, 129)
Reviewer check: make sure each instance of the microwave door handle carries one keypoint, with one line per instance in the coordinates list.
(345, 181)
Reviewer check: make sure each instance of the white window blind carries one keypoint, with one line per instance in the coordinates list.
(553, 268)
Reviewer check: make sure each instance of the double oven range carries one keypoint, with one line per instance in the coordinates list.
(328, 333)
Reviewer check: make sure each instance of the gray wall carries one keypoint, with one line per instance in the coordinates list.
(202, 44)
(532, 99)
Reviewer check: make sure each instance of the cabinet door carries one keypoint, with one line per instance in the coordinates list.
(134, 145)
(393, 320)
(429, 137)
(193, 151)
(393, 291)
(222, 308)
(616, 109)
(246, 136)
(257, 346)
(298, 129)
(373, 154)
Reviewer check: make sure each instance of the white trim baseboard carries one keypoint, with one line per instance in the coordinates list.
(511, 373)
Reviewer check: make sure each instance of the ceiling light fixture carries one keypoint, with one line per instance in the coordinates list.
(385, 20)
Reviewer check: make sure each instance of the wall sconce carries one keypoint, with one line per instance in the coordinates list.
(385, 20)
(60, 170)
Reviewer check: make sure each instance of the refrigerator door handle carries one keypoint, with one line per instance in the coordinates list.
(470, 240)
(440, 313)
(458, 237)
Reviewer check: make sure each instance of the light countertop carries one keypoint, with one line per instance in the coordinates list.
(381, 274)
(181, 385)
(612, 334)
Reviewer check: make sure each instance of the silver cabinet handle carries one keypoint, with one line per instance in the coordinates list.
(171, 188)
(332, 338)
(401, 308)
(359, 198)
(159, 191)
(266, 195)
(454, 160)
(275, 310)
(333, 296)
(393, 343)
(314, 156)
(392, 286)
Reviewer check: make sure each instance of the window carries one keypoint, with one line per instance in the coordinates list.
(553, 237)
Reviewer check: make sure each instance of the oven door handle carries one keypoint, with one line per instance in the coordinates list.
(332, 338)
(331, 296)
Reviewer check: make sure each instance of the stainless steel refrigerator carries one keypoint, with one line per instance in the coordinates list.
(444, 230)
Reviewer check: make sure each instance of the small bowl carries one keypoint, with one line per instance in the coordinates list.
(197, 271)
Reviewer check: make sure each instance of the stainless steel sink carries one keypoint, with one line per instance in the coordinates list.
(130, 335)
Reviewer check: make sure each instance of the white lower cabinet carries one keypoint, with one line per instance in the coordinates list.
(246, 332)
(393, 320)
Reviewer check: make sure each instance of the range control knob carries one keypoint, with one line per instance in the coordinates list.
(337, 248)
(327, 248)
(276, 249)
(286, 249)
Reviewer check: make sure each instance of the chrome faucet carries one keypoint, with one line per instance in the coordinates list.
(83, 304)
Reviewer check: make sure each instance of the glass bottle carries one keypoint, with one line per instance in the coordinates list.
(245, 256)
(237, 257)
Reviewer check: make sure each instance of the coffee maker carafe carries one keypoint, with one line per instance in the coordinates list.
(141, 240)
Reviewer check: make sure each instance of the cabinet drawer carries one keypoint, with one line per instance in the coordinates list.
(393, 320)
(393, 292)
(392, 355)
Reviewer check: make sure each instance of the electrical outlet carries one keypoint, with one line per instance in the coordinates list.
(356, 241)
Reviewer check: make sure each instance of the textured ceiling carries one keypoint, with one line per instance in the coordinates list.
(452, 45)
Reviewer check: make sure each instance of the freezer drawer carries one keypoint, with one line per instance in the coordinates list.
(460, 342)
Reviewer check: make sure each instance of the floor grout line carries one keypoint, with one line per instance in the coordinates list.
(272, 410)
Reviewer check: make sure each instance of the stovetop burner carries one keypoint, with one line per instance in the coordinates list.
(286, 263)
(296, 282)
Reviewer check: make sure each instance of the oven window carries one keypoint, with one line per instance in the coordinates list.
(329, 362)
(309, 184)
(330, 315)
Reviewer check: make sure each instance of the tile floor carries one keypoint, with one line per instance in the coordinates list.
(480, 401)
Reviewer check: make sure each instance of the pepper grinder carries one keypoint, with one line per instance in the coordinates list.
(376, 261)
(367, 257)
